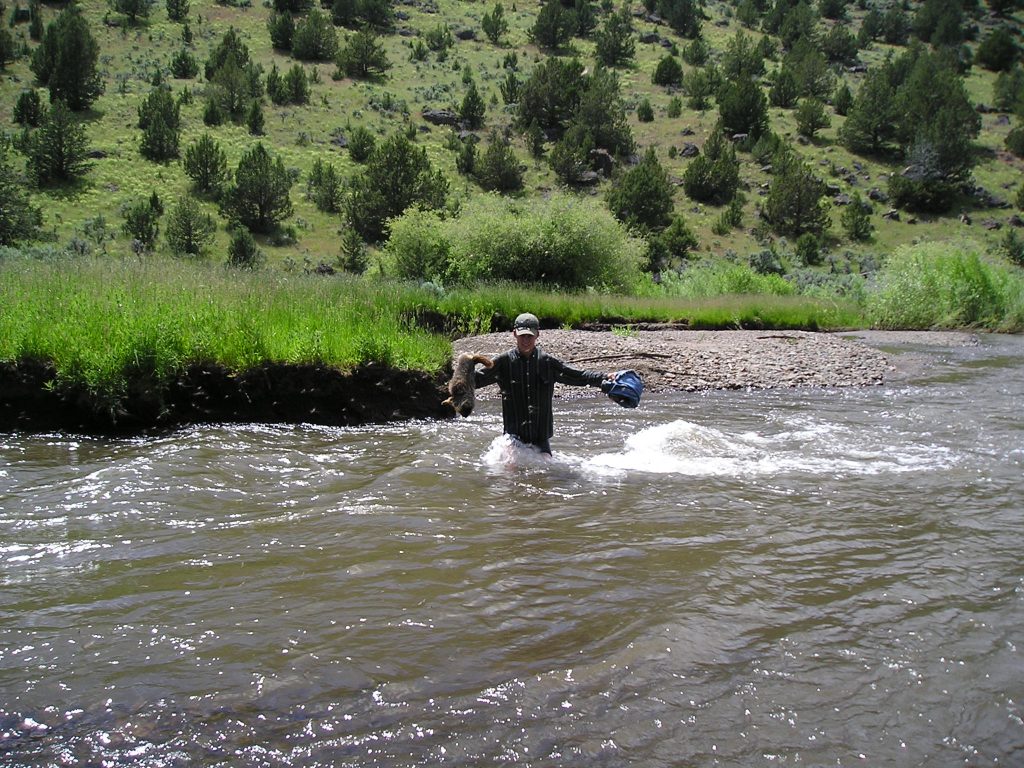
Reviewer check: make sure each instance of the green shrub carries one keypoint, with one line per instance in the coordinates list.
(937, 285)
(418, 247)
(564, 242)
(243, 251)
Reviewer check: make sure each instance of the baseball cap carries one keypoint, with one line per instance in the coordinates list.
(526, 324)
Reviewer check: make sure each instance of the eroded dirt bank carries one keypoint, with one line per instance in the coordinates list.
(209, 394)
(668, 360)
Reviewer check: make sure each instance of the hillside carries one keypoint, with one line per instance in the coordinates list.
(131, 56)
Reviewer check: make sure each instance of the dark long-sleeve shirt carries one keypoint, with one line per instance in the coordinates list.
(527, 388)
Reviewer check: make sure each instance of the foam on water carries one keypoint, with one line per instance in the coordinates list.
(686, 448)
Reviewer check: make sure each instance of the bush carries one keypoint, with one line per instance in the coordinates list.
(314, 38)
(29, 109)
(998, 52)
(142, 224)
(189, 228)
(564, 242)
(259, 197)
(206, 164)
(722, 278)
(645, 112)
(184, 65)
(668, 72)
(361, 144)
(936, 285)
(243, 251)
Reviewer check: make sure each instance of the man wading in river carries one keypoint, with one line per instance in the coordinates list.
(527, 376)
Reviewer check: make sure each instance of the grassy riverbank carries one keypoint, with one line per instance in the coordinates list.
(102, 321)
(105, 328)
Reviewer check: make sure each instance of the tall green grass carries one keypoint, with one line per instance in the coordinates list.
(943, 286)
(102, 323)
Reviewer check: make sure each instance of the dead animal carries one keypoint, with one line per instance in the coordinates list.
(462, 387)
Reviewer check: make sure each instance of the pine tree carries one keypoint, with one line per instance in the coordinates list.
(473, 108)
(794, 205)
(67, 61)
(497, 168)
(397, 175)
(189, 229)
(57, 151)
(616, 44)
(206, 164)
(259, 197)
(494, 24)
(160, 121)
(19, 219)
(642, 196)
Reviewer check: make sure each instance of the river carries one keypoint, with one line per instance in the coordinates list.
(809, 577)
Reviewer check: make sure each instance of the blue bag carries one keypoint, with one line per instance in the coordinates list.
(625, 389)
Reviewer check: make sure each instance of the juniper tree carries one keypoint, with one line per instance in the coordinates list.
(20, 220)
(259, 199)
(160, 121)
(473, 109)
(743, 108)
(28, 110)
(189, 229)
(396, 176)
(494, 23)
(794, 205)
(66, 61)
(314, 38)
(856, 219)
(642, 196)
(497, 169)
(206, 164)
(324, 187)
(58, 149)
(811, 117)
(615, 42)
(713, 176)
(554, 26)
(141, 224)
(362, 57)
(668, 72)
(177, 10)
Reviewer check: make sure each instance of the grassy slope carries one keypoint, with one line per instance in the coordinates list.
(303, 134)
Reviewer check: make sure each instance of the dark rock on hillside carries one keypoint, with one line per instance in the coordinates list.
(440, 116)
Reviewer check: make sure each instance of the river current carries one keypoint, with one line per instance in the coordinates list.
(809, 577)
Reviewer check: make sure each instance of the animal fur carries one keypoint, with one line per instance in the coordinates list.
(462, 387)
